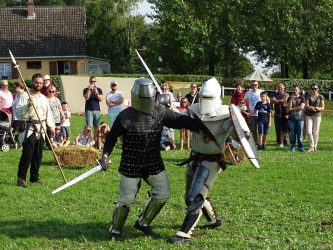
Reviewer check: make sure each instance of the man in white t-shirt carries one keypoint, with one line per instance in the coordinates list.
(114, 99)
(253, 96)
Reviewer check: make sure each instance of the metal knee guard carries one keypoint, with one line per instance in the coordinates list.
(208, 211)
(150, 211)
(119, 218)
(199, 180)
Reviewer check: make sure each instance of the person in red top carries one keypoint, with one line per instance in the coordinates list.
(238, 94)
(46, 85)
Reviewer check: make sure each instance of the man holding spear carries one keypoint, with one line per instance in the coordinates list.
(32, 137)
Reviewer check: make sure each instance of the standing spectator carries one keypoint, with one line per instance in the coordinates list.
(114, 99)
(93, 96)
(65, 123)
(314, 105)
(277, 101)
(193, 96)
(157, 94)
(285, 131)
(6, 98)
(184, 110)
(306, 94)
(239, 94)
(55, 105)
(46, 85)
(264, 119)
(165, 90)
(295, 107)
(253, 96)
(19, 89)
(32, 137)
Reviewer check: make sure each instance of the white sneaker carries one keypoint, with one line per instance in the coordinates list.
(281, 145)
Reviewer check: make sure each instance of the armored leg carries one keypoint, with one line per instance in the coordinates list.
(194, 201)
(150, 211)
(119, 218)
(212, 220)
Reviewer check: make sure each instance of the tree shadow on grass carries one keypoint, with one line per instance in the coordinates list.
(55, 229)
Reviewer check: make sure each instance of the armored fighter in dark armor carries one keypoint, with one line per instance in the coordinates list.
(205, 161)
(141, 126)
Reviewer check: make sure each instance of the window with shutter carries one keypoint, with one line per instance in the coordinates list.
(53, 68)
(73, 67)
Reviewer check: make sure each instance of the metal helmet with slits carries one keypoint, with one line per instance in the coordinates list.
(209, 97)
(143, 95)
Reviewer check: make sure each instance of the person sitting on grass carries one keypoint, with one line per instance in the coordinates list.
(84, 136)
(164, 144)
(58, 139)
(102, 132)
(264, 119)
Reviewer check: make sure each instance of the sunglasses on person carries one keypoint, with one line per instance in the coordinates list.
(241, 102)
(15, 87)
(254, 85)
(184, 102)
(51, 91)
(92, 81)
(5, 85)
(57, 129)
(164, 89)
(314, 88)
(193, 86)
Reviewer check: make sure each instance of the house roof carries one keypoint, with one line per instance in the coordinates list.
(55, 31)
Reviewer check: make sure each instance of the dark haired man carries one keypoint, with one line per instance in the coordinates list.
(32, 138)
(93, 96)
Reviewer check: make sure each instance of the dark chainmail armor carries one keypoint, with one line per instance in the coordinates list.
(141, 142)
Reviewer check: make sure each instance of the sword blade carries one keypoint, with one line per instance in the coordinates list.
(149, 72)
(77, 179)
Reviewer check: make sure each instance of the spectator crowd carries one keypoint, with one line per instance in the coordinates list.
(294, 114)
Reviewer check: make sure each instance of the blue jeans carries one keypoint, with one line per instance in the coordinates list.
(296, 128)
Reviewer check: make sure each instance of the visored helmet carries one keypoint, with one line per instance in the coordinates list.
(210, 96)
(164, 99)
(143, 95)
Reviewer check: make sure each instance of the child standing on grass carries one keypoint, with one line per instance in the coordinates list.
(284, 119)
(242, 108)
(65, 124)
(184, 110)
(264, 119)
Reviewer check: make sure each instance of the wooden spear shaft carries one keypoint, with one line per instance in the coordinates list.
(55, 156)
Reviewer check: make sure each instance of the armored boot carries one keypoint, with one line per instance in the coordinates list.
(212, 220)
(194, 201)
(119, 218)
(150, 211)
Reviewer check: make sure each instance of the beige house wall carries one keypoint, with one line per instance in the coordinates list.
(71, 88)
(45, 70)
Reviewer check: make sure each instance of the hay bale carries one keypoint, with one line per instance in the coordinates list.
(76, 155)
(227, 156)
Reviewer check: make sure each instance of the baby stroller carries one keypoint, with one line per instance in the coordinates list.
(6, 131)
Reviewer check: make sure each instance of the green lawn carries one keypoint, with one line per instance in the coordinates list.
(286, 204)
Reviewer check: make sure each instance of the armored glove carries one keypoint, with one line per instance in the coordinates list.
(104, 162)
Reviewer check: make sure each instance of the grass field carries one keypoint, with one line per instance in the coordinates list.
(286, 204)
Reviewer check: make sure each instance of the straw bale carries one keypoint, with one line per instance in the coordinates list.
(240, 152)
(76, 155)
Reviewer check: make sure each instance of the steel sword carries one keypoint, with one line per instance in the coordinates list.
(80, 178)
(149, 72)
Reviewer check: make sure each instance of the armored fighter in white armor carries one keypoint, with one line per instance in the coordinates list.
(141, 127)
(205, 161)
